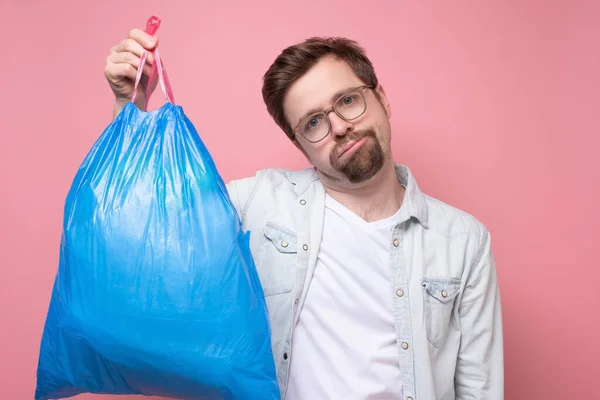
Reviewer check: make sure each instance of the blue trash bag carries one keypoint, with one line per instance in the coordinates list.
(156, 291)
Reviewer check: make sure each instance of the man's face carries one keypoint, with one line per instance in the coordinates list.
(354, 151)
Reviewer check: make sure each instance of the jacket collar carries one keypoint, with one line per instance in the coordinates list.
(414, 198)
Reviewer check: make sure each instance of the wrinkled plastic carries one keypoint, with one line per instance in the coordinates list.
(156, 291)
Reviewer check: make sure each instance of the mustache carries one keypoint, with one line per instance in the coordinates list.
(353, 136)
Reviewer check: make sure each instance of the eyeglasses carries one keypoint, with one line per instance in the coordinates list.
(348, 107)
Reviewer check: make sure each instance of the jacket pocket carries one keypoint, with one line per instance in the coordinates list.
(438, 303)
(278, 258)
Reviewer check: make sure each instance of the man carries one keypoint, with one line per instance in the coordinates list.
(374, 289)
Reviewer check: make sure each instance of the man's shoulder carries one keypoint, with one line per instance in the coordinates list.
(272, 177)
(266, 182)
(449, 220)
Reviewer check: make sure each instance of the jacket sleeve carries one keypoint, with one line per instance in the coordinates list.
(480, 365)
(240, 191)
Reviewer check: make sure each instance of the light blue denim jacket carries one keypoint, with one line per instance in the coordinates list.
(446, 301)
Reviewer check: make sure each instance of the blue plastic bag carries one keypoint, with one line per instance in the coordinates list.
(156, 291)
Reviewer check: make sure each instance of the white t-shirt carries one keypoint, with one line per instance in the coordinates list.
(344, 345)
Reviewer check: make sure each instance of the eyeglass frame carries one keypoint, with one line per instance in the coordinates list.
(328, 110)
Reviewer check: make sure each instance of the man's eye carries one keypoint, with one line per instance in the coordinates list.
(312, 124)
(348, 100)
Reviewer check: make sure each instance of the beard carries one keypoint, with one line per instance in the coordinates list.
(365, 162)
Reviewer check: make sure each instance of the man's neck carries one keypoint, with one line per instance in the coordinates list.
(378, 198)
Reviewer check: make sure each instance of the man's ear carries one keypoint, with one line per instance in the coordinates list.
(384, 100)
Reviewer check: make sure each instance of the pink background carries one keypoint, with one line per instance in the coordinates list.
(495, 108)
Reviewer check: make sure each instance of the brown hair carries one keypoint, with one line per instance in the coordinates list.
(296, 60)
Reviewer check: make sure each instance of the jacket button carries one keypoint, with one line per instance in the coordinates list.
(399, 292)
(444, 294)
(396, 243)
(305, 247)
(285, 356)
(404, 345)
(284, 244)
(303, 202)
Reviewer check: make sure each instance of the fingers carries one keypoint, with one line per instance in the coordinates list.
(126, 58)
(118, 72)
(141, 37)
(133, 47)
(123, 62)
(124, 65)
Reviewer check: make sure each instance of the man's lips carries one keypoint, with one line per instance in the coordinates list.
(350, 145)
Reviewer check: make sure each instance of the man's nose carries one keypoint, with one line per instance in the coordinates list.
(339, 126)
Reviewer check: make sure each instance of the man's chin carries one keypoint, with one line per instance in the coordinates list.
(366, 161)
(361, 170)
